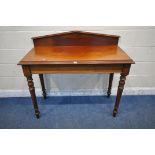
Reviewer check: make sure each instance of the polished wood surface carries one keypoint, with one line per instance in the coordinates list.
(76, 55)
(76, 52)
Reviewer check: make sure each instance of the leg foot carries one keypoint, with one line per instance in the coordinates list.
(44, 95)
(115, 112)
(108, 95)
(37, 113)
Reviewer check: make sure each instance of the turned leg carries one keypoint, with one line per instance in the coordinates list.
(119, 94)
(111, 75)
(125, 72)
(42, 85)
(33, 95)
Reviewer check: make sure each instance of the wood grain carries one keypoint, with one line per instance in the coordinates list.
(77, 55)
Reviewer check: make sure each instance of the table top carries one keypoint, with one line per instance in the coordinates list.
(76, 55)
(76, 47)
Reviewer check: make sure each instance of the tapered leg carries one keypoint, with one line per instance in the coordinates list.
(33, 95)
(42, 85)
(111, 75)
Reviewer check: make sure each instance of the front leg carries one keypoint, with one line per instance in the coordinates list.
(33, 95)
(124, 73)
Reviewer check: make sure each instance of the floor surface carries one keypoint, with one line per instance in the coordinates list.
(79, 112)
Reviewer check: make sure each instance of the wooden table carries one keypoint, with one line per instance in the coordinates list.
(76, 52)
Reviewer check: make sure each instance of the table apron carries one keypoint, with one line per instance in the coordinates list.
(75, 69)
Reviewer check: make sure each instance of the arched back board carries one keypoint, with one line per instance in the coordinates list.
(76, 38)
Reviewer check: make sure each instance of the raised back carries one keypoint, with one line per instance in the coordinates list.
(76, 38)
